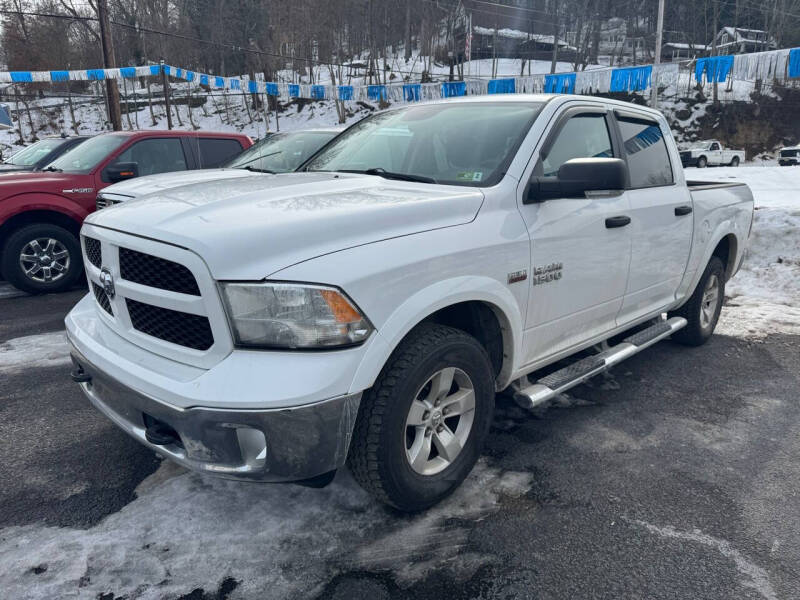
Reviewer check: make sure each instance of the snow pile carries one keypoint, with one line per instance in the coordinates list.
(189, 531)
(34, 351)
(764, 297)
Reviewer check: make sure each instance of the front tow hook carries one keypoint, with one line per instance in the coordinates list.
(80, 376)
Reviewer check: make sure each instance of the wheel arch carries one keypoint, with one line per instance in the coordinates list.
(480, 306)
(727, 250)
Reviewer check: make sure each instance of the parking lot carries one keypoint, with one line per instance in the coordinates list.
(674, 477)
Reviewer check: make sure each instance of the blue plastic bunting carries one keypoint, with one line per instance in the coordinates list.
(794, 62)
(716, 68)
(128, 72)
(376, 92)
(454, 88)
(59, 75)
(272, 89)
(318, 92)
(559, 83)
(96, 74)
(345, 92)
(294, 90)
(411, 92)
(631, 79)
(502, 86)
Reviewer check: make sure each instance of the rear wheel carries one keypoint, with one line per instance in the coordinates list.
(42, 258)
(702, 162)
(735, 161)
(702, 310)
(421, 427)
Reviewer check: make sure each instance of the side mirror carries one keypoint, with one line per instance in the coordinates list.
(121, 171)
(577, 176)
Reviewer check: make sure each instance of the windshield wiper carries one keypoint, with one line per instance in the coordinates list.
(381, 172)
(256, 169)
(53, 169)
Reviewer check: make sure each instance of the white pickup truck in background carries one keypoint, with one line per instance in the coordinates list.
(710, 153)
(366, 310)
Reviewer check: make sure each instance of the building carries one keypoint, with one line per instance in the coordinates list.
(737, 40)
(672, 51)
(508, 29)
(620, 41)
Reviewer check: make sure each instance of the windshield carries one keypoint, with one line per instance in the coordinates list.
(464, 143)
(87, 155)
(34, 153)
(282, 152)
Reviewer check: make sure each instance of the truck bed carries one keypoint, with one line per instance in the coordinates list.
(710, 185)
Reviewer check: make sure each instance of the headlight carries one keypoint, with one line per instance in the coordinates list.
(286, 315)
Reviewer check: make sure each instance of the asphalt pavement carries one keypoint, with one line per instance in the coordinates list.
(676, 476)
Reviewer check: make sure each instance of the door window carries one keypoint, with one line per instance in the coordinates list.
(582, 136)
(156, 155)
(715, 146)
(216, 151)
(646, 149)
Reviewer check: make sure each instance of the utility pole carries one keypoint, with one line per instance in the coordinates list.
(657, 57)
(556, 27)
(165, 83)
(109, 62)
(714, 52)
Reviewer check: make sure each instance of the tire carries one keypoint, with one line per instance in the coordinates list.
(59, 247)
(735, 161)
(388, 431)
(700, 316)
(702, 162)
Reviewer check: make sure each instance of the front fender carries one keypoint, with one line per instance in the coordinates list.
(432, 298)
(27, 201)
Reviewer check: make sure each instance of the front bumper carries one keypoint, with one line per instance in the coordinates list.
(689, 161)
(287, 444)
(788, 162)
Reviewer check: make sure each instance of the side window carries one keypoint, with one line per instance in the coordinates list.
(216, 151)
(715, 146)
(156, 155)
(582, 136)
(648, 158)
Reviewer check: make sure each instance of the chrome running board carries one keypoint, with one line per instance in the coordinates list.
(560, 381)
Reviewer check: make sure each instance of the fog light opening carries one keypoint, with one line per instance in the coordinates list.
(252, 445)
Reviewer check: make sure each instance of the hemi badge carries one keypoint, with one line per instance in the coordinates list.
(517, 276)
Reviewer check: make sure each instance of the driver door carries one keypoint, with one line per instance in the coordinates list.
(580, 247)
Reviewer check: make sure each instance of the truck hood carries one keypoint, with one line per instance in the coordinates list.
(140, 186)
(251, 227)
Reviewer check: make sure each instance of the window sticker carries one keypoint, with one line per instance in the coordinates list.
(470, 176)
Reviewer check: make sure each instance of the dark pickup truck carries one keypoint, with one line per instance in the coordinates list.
(41, 212)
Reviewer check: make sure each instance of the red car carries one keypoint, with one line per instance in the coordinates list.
(41, 213)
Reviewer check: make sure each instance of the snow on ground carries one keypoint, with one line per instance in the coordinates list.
(187, 531)
(764, 297)
(34, 351)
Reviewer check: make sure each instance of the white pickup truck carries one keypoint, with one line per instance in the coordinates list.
(366, 310)
(710, 153)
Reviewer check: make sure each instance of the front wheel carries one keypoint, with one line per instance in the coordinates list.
(702, 162)
(702, 309)
(421, 427)
(735, 161)
(42, 258)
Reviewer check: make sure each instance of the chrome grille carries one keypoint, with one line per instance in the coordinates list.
(93, 251)
(102, 298)
(156, 272)
(184, 329)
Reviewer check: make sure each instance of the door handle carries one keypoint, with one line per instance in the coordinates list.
(682, 210)
(621, 221)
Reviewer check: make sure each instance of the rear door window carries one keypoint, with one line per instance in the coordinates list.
(216, 151)
(646, 151)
